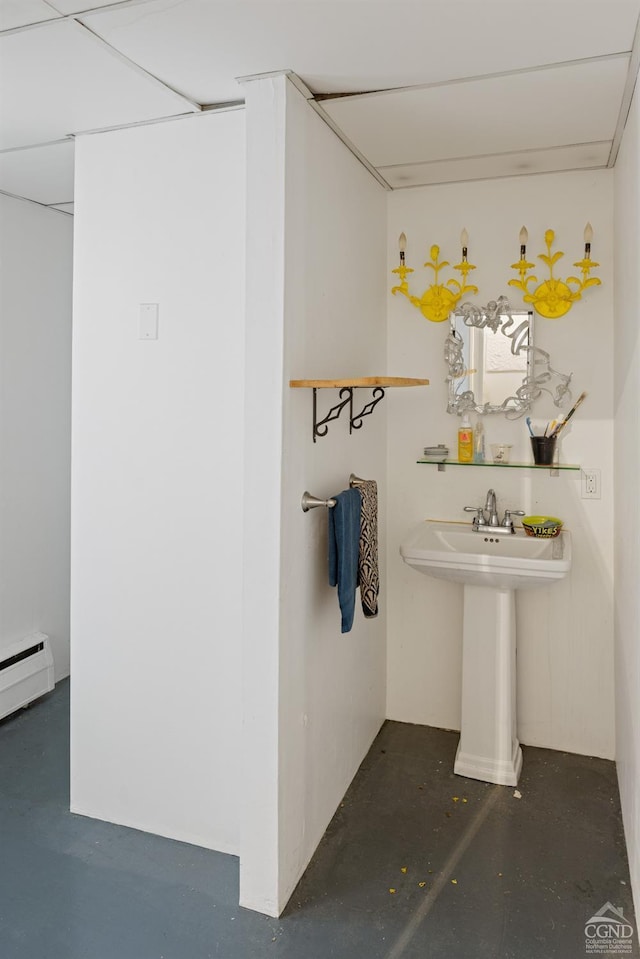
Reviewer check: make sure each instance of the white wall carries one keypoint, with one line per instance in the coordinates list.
(627, 464)
(314, 698)
(565, 632)
(157, 479)
(35, 423)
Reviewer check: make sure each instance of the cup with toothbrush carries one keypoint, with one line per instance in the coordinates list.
(544, 447)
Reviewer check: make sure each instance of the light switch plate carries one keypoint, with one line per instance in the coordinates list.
(148, 321)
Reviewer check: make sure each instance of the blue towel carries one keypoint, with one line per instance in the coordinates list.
(344, 546)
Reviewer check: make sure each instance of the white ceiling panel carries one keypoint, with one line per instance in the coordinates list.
(18, 13)
(59, 79)
(44, 174)
(76, 6)
(199, 46)
(581, 157)
(523, 111)
(491, 88)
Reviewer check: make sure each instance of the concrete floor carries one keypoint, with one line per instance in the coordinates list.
(416, 864)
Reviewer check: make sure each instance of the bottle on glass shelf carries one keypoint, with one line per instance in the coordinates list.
(465, 440)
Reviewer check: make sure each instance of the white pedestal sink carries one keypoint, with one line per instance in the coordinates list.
(491, 567)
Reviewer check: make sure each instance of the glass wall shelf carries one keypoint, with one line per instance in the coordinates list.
(554, 468)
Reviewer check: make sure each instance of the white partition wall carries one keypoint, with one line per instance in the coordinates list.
(627, 463)
(35, 425)
(313, 697)
(157, 478)
(190, 459)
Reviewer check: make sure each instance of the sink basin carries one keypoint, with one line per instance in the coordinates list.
(456, 552)
(492, 567)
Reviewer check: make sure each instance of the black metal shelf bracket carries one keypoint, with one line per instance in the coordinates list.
(321, 427)
(367, 410)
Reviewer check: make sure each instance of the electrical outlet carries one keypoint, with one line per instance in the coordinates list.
(591, 484)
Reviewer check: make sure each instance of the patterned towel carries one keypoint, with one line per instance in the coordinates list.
(368, 573)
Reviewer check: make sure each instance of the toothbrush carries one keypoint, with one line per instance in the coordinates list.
(528, 422)
(564, 422)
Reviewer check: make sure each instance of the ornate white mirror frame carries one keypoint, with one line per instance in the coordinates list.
(498, 318)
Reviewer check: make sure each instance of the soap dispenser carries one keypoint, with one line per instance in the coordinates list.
(465, 440)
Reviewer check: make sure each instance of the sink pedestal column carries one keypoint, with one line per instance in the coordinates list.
(489, 749)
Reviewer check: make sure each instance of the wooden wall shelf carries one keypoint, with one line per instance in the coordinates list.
(346, 387)
(362, 381)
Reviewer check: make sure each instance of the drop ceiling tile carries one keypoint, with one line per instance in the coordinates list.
(585, 156)
(337, 46)
(541, 108)
(19, 13)
(59, 79)
(76, 6)
(44, 174)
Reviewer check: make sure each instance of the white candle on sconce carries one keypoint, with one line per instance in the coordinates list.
(523, 237)
(464, 240)
(402, 244)
(588, 237)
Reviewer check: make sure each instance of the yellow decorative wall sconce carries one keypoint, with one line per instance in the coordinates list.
(554, 297)
(440, 299)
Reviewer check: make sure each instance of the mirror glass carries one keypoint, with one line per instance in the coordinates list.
(493, 364)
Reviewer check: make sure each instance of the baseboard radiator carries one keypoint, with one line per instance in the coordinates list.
(26, 672)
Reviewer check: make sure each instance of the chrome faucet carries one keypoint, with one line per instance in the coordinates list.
(486, 520)
(490, 509)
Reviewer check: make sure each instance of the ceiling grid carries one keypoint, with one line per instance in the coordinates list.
(509, 97)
